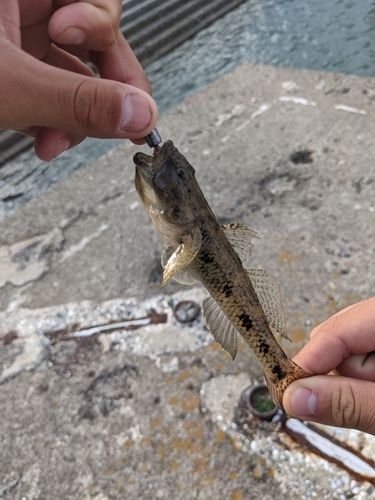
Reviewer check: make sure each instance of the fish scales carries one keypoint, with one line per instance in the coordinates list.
(220, 270)
(198, 246)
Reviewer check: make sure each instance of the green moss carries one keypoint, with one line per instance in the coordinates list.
(262, 401)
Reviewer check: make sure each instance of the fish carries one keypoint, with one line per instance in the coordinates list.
(241, 300)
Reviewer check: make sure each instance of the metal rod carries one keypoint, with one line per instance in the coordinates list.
(153, 139)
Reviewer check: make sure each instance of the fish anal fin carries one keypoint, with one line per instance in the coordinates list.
(220, 326)
(241, 238)
(182, 257)
(269, 295)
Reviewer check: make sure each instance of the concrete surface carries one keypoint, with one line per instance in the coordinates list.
(135, 414)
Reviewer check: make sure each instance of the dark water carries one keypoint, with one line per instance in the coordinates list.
(328, 35)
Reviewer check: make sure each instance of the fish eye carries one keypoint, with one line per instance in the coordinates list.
(181, 173)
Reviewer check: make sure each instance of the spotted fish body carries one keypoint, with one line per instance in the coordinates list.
(240, 299)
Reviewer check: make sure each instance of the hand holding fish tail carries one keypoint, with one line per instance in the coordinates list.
(341, 357)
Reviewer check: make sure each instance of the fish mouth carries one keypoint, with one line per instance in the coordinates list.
(164, 153)
(143, 166)
(147, 166)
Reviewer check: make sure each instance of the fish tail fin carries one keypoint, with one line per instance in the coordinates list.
(277, 387)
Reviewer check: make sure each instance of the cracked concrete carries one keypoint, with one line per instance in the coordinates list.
(27, 261)
(135, 414)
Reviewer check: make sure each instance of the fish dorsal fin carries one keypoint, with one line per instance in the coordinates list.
(268, 293)
(184, 255)
(241, 238)
(220, 326)
(184, 277)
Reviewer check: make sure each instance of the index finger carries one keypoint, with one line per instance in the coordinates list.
(352, 332)
(91, 28)
(90, 24)
(121, 64)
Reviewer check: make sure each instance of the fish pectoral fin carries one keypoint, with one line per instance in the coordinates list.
(269, 295)
(184, 277)
(183, 256)
(241, 238)
(220, 326)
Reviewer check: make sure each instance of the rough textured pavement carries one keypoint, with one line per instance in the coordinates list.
(150, 411)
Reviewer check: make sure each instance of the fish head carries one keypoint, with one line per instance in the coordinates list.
(165, 183)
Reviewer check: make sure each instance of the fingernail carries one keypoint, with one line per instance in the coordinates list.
(59, 146)
(303, 402)
(136, 113)
(71, 36)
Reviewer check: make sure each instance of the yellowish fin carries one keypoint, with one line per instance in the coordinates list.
(183, 256)
(184, 277)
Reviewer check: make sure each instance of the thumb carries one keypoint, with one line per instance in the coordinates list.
(37, 94)
(333, 400)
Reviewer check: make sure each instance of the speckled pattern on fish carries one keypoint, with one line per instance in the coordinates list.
(242, 300)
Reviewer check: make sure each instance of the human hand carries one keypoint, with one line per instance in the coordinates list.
(47, 91)
(345, 343)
